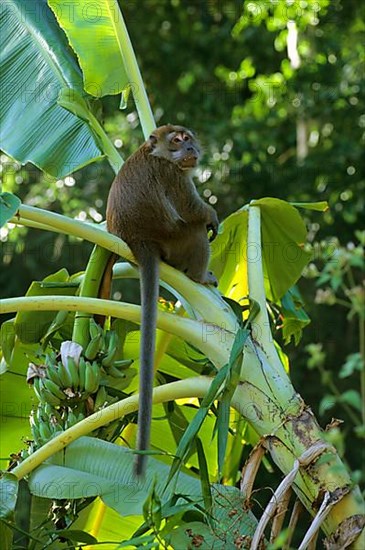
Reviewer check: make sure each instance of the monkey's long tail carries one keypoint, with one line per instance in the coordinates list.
(149, 273)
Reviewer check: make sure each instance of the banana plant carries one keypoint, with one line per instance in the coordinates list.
(216, 343)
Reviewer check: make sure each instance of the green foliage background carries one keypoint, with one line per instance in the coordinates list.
(222, 68)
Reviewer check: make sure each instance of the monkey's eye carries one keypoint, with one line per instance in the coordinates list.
(186, 137)
(176, 139)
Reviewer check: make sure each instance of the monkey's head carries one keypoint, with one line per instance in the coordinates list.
(175, 144)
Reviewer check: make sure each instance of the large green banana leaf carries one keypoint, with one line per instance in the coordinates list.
(36, 66)
(283, 254)
(92, 30)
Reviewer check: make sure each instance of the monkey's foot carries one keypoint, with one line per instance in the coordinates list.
(210, 279)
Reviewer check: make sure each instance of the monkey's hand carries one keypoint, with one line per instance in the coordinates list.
(213, 226)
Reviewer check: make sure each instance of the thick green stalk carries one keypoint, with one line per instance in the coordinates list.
(215, 345)
(270, 403)
(288, 428)
(86, 231)
(34, 225)
(90, 288)
(114, 158)
(134, 76)
(261, 325)
(206, 302)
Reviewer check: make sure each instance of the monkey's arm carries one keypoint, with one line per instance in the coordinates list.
(198, 211)
(164, 221)
(171, 217)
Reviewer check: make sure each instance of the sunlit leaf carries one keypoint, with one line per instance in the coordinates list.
(321, 206)
(112, 526)
(102, 65)
(229, 257)
(283, 237)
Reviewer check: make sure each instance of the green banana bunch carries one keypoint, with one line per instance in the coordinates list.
(118, 368)
(73, 419)
(45, 432)
(45, 392)
(111, 365)
(54, 419)
(53, 389)
(114, 372)
(112, 350)
(123, 363)
(52, 372)
(73, 371)
(51, 358)
(50, 412)
(96, 343)
(82, 373)
(64, 375)
(92, 377)
(34, 429)
(94, 347)
(83, 379)
(45, 423)
(36, 388)
(101, 398)
(94, 328)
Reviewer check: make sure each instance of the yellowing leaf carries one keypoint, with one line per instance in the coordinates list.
(283, 234)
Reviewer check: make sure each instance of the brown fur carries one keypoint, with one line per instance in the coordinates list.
(154, 207)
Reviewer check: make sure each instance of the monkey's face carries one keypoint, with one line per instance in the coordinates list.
(175, 144)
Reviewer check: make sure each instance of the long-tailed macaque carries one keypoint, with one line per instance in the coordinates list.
(154, 207)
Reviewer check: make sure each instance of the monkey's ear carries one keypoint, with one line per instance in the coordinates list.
(152, 140)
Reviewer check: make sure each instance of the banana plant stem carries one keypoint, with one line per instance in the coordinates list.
(89, 288)
(261, 325)
(214, 343)
(207, 302)
(135, 78)
(89, 232)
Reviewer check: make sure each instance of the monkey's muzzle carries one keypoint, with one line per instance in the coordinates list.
(190, 161)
